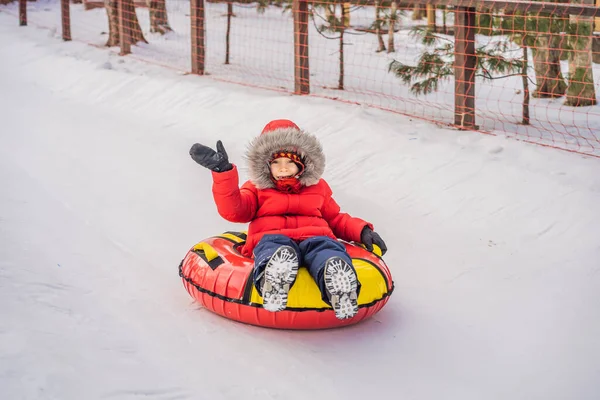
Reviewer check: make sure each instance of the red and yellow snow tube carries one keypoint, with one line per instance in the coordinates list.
(220, 278)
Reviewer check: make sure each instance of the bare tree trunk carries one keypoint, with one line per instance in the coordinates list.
(581, 90)
(329, 12)
(159, 22)
(132, 25)
(378, 20)
(597, 20)
(228, 32)
(546, 62)
(596, 48)
(525, 78)
(112, 11)
(419, 12)
(444, 21)
(431, 18)
(391, 25)
(72, 1)
(342, 29)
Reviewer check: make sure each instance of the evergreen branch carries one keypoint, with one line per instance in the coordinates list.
(347, 31)
(431, 67)
(402, 71)
(314, 11)
(427, 36)
(437, 64)
(319, 31)
(431, 84)
(486, 75)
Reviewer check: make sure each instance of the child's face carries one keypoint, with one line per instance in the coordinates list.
(283, 168)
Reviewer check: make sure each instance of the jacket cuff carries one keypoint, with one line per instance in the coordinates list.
(226, 179)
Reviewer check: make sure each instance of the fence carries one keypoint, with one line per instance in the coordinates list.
(527, 70)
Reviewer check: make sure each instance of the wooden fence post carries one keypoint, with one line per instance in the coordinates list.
(464, 68)
(301, 68)
(124, 40)
(66, 19)
(198, 46)
(597, 29)
(23, 12)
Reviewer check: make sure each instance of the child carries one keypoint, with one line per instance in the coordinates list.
(293, 217)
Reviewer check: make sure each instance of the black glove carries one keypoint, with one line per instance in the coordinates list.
(369, 238)
(214, 160)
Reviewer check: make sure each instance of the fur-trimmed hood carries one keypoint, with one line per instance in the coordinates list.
(288, 138)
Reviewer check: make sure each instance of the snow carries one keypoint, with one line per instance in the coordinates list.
(493, 244)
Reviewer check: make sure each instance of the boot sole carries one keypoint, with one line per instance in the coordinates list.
(342, 284)
(280, 274)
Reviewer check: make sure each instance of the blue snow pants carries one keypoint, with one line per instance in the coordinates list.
(312, 253)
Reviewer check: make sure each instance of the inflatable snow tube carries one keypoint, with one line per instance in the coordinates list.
(220, 278)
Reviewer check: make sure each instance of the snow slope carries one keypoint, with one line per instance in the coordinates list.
(494, 245)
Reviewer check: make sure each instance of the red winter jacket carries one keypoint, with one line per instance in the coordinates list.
(311, 212)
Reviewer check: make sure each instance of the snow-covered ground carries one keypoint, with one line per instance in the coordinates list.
(262, 55)
(494, 245)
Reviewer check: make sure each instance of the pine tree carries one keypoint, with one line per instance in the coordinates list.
(332, 23)
(228, 31)
(581, 91)
(391, 16)
(262, 5)
(540, 31)
(436, 64)
(543, 32)
(391, 23)
(523, 38)
(378, 25)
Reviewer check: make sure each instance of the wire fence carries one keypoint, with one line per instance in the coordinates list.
(527, 70)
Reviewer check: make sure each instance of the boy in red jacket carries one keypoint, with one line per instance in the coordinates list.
(293, 218)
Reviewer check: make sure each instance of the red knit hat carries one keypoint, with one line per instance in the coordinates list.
(279, 124)
(286, 153)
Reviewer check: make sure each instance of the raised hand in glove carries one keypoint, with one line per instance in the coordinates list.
(214, 160)
(369, 238)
